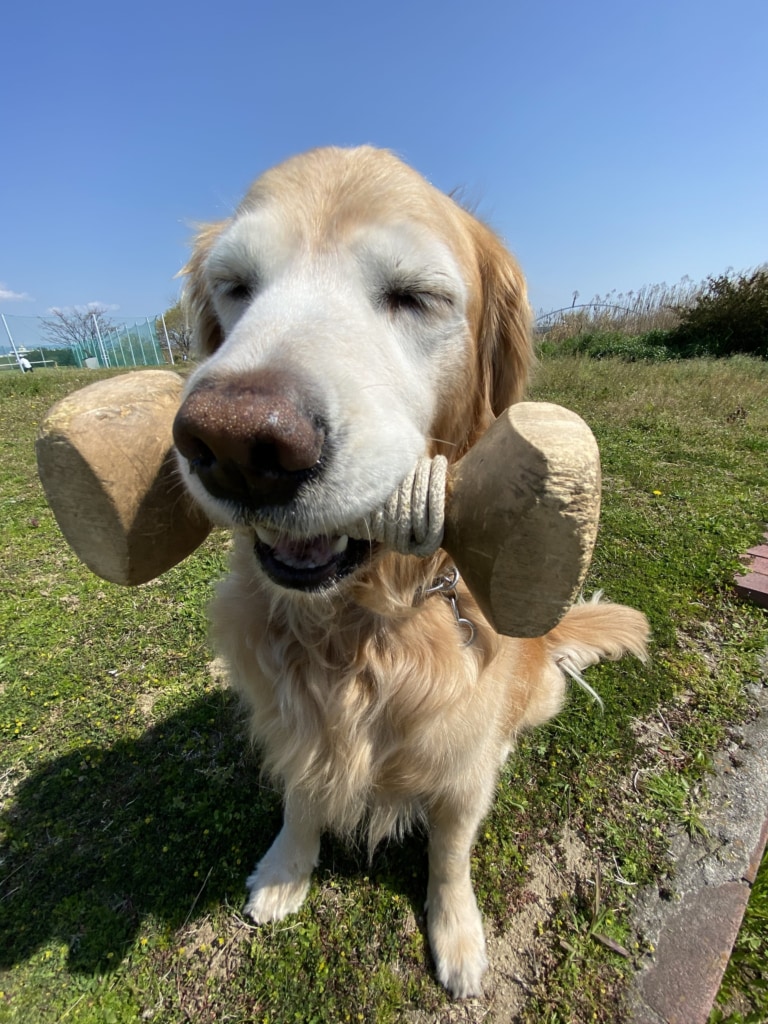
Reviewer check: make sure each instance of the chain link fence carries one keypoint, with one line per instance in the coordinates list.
(97, 341)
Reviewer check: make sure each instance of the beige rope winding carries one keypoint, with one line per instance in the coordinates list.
(412, 519)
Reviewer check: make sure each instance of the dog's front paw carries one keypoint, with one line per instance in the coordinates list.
(456, 939)
(274, 892)
(280, 883)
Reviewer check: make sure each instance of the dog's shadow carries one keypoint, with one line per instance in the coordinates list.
(166, 825)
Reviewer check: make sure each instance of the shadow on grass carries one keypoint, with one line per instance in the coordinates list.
(167, 826)
(104, 835)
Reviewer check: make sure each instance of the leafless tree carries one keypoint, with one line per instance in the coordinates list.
(77, 325)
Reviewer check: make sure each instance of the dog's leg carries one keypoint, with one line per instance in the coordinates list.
(280, 882)
(454, 924)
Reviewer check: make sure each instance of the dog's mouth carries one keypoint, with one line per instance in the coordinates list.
(309, 564)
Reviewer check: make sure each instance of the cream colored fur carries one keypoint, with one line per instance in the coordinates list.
(367, 710)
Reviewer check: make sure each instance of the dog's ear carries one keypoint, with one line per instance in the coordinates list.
(505, 327)
(196, 297)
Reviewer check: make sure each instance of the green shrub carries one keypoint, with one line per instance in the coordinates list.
(725, 315)
(648, 347)
(730, 316)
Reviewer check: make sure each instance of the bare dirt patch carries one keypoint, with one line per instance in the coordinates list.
(518, 949)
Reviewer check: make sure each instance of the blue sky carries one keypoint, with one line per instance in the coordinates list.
(613, 145)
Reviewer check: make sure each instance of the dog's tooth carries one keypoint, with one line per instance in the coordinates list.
(268, 537)
(340, 544)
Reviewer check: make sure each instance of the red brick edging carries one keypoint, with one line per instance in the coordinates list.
(753, 585)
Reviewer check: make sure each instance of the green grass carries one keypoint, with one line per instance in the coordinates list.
(133, 808)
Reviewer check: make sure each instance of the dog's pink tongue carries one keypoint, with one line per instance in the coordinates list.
(305, 554)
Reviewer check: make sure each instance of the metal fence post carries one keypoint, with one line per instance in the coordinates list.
(167, 339)
(104, 355)
(10, 338)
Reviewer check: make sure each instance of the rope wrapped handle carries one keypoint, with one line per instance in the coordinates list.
(412, 520)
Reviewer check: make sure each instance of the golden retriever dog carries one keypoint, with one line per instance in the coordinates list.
(352, 319)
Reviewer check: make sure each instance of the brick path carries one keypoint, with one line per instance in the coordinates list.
(693, 931)
(753, 585)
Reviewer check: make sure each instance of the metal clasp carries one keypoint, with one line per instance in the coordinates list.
(446, 585)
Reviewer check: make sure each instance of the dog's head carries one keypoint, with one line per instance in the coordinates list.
(353, 318)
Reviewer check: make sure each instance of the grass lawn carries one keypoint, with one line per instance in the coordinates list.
(133, 809)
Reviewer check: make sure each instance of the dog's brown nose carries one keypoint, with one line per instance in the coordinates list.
(252, 441)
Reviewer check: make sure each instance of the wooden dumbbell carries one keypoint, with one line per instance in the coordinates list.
(520, 517)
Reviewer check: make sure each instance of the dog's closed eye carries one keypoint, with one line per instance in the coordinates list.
(239, 291)
(414, 297)
(234, 275)
(234, 289)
